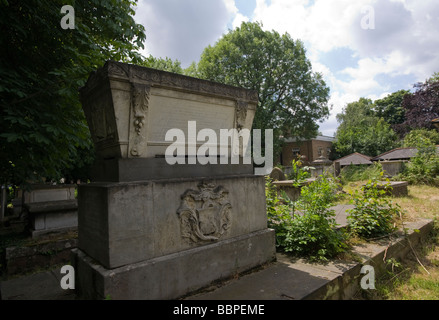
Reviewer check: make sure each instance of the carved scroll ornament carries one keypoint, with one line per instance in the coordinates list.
(140, 95)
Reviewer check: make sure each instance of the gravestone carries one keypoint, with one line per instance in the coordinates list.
(394, 188)
(151, 230)
(51, 208)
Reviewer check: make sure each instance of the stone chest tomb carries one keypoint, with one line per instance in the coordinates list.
(151, 230)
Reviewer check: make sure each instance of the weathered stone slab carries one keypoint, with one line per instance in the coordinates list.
(51, 208)
(397, 188)
(174, 275)
(393, 167)
(129, 108)
(22, 259)
(293, 192)
(121, 223)
(44, 193)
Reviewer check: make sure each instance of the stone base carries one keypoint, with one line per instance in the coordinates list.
(398, 188)
(52, 216)
(174, 275)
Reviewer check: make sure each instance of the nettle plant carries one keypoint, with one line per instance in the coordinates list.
(374, 213)
(298, 173)
(307, 227)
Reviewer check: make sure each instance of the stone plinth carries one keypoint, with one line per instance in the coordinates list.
(174, 275)
(123, 223)
(51, 208)
(397, 188)
(293, 192)
(151, 230)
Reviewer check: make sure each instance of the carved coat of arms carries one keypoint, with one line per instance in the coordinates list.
(205, 214)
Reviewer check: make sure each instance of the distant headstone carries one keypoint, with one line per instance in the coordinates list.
(277, 174)
(51, 208)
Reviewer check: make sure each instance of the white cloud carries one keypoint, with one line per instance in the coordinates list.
(404, 41)
(238, 20)
(182, 29)
(403, 45)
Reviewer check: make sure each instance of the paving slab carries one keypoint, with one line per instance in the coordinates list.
(39, 286)
(341, 214)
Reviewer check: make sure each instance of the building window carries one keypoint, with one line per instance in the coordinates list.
(328, 151)
(296, 152)
(320, 151)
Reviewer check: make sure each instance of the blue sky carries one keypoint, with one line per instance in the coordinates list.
(363, 48)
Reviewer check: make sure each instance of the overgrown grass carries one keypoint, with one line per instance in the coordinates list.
(360, 173)
(408, 280)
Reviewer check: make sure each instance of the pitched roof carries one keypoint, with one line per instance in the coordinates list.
(318, 138)
(355, 159)
(397, 154)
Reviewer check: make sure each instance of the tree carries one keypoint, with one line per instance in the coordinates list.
(423, 168)
(164, 64)
(360, 130)
(390, 108)
(421, 107)
(292, 98)
(420, 137)
(43, 132)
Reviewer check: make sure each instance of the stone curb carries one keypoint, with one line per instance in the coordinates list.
(295, 279)
(347, 284)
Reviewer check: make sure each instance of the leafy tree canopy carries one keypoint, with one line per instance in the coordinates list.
(421, 137)
(43, 132)
(390, 108)
(360, 130)
(292, 98)
(164, 64)
(421, 107)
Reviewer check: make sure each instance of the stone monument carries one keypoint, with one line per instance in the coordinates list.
(151, 230)
(51, 208)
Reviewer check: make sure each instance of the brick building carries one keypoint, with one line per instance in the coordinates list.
(311, 149)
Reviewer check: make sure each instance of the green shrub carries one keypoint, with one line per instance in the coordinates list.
(423, 168)
(354, 173)
(298, 173)
(312, 232)
(279, 210)
(374, 213)
(313, 236)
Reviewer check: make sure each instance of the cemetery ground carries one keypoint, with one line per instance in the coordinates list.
(416, 277)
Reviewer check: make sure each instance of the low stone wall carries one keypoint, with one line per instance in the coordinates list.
(392, 168)
(29, 258)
